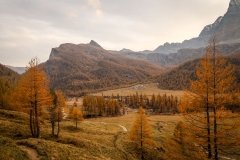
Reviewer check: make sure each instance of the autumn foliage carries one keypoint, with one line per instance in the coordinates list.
(205, 106)
(33, 95)
(141, 132)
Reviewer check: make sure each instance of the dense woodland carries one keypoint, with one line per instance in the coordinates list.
(94, 106)
(154, 104)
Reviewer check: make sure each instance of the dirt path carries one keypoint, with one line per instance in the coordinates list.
(119, 125)
(124, 129)
(31, 153)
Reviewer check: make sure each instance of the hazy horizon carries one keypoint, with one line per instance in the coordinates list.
(32, 28)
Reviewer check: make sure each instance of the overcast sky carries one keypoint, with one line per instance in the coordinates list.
(30, 28)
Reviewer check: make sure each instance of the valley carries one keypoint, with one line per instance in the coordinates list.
(96, 101)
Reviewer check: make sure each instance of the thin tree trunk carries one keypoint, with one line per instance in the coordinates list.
(208, 116)
(30, 122)
(37, 123)
(58, 121)
(214, 101)
(53, 126)
(141, 140)
(33, 123)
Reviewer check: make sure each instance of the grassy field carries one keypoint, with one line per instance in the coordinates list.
(145, 89)
(99, 138)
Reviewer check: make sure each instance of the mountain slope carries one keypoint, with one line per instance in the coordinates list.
(19, 70)
(7, 74)
(179, 77)
(88, 67)
(182, 56)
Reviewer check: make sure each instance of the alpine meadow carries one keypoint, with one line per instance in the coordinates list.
(102, 101)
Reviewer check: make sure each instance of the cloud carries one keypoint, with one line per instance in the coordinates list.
(31, 28)
(96, 5)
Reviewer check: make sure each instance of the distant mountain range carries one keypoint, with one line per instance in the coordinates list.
(226, 30)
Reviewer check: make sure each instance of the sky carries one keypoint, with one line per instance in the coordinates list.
(31, 28)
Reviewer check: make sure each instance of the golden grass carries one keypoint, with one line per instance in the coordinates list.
(145, 89)
(95, 139)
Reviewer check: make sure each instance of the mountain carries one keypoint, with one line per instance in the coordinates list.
(81, 68)
(19, 70)
(7, 79)
(182, 55)
(125, 50)
(7, 73)
(179, 78)
(226, 29)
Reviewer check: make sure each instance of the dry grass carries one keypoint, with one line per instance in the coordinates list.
(98, 138)
(145, 89)
(95, 139)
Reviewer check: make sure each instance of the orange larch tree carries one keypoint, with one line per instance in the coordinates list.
(141, 132)
(34, 95)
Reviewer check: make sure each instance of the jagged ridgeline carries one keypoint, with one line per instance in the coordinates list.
(226, 30)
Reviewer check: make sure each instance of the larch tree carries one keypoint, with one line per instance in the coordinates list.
(205, 105)
(56, 111)
(180, 146)
(222, 93)
(141, 132)
(34, 95)
(76, 114)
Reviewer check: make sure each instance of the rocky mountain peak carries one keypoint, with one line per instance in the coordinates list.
(95, 44)
(125, 50)
(235, 3)
(234, 6)
(211, 28)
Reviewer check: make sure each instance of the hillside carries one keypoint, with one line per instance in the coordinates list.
(19, 70)
(96, 139)
(7, 73)
(88, 67)
(179, 77)
(7, 80)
